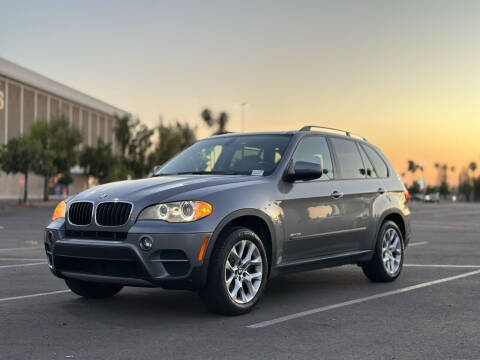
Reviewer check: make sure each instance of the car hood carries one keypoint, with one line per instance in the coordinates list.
(158, 188)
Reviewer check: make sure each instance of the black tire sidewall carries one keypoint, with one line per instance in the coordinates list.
(218, 271)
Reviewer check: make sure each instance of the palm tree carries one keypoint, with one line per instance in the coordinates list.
(412, 167)
(444, 172)
(220, 122)
(473, 166)
(438, 167)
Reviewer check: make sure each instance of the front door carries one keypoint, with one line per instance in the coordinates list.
(313, 210)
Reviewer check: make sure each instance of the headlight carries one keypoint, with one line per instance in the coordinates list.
(59, 212)
(182, 211)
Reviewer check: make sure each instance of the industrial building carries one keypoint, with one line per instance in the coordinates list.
(26, 96)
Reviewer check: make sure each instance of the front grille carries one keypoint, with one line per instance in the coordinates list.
(80, 213)
(119, 268)
(96, 235)
(113, 213)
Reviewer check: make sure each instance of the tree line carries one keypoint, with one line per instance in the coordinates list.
(52, 148)
(468, 186)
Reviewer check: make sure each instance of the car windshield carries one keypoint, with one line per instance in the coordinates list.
(229, 155)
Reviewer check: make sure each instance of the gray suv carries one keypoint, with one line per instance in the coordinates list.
(232, 211)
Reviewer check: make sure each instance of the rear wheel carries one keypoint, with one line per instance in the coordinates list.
(237, 273)
(92, 290)
(387, 262)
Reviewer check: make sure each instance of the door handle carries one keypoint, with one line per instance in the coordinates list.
(336, 195)
(381, 190)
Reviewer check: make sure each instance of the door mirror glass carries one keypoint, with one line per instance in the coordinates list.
(303, 170)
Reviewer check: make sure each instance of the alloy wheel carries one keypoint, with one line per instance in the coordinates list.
(391, 251)
(243, 271)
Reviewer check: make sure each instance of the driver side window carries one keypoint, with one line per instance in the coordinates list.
(315, 149)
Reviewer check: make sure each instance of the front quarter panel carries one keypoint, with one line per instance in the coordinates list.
(255, 198)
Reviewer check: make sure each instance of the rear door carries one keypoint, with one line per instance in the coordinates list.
(359, 193)
(313, 214)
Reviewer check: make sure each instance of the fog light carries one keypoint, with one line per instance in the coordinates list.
(146, 243)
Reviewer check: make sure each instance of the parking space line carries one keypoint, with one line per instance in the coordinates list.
(282, 319)
(21, 265)
(418, 243)
(22, 248)
(447, 227)
(443, 266)
(34, 295)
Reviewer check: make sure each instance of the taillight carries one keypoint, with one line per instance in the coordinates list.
(407, 196)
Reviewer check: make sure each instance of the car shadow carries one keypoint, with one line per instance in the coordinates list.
(138, 307)
(303, 286)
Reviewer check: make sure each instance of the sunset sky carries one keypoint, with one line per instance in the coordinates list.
(404, 74)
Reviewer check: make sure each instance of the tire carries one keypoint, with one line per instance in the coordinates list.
(231, 289)
(378, 270)
(92, 290)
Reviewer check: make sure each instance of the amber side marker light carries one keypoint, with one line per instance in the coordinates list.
(203, 248)
(59, 212)
(202, 209)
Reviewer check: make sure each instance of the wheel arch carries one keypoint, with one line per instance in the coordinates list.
(253, 219)
(398, 219)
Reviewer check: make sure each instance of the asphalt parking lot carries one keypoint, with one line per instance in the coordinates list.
(431, 312)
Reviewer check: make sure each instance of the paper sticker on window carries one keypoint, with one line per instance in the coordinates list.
(257, 172)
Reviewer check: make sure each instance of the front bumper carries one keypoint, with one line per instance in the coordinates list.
(108, 257)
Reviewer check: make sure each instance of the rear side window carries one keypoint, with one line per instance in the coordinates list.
(369, 169)
(349, 161)
(379, 165)
(315, 149)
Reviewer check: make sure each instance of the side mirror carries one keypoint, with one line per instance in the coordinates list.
(156, 169)
(303, 170)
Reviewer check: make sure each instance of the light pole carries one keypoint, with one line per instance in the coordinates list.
(422, 168)
(243, 106)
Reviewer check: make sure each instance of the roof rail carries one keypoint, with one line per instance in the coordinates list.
(347, 133)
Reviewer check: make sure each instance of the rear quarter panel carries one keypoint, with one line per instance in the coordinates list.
(396, 196)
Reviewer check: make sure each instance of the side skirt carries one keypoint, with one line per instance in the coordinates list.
(352, 257)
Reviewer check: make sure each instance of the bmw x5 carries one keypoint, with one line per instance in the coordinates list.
(231, 212)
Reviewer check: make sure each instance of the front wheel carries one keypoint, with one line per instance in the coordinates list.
(92, 290)
(387, 262)
(237, 273)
